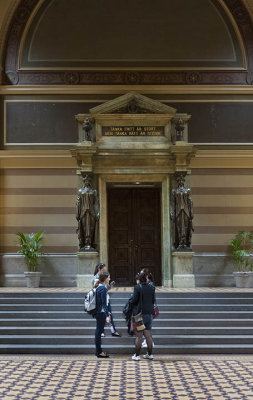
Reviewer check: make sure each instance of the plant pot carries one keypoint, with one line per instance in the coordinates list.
(32, 279)
(243, 279)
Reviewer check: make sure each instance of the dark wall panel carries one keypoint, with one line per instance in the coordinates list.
(219, 122)
(136, 33)
(54, 122)
(43, 122)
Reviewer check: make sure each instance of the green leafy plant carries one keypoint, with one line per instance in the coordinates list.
(242, 246)
(30, 248)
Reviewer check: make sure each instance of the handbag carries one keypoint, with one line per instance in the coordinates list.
(156, 312)
(137, 319)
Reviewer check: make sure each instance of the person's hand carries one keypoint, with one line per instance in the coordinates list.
(108, 319)
(112, 283)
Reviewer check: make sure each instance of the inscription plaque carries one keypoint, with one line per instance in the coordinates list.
(133, 130)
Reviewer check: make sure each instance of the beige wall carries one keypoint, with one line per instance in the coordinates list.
(38, 193)
(222, 190)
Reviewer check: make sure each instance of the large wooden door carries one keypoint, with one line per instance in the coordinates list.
(134, 226)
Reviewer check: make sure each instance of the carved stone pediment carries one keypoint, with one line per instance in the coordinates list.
(133, 103)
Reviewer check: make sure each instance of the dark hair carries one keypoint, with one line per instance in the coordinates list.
(137, 277)
(142, 277)
(103, 276)
(98, 267)
(148, 273)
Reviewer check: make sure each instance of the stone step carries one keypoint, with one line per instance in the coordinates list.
(110, 340)
(118, 314)
(86, 322)
(89, 330)
(55, 323)
(126, 349)
(126, 295)
(121, 301)
(118, 308)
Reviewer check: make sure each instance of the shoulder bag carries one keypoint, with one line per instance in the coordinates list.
(137, 319)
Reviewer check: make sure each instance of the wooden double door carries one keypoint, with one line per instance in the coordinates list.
(134, 227)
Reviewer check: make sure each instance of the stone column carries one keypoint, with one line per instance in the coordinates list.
(86, 262)
(182, 264)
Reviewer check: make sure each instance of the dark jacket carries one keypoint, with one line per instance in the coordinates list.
(128, 308)
(148, 298)
(101, 300)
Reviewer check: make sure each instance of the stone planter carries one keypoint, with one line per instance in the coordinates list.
(32, 279)
(243, 279)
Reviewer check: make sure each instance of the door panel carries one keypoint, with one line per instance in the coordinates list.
(134, 233)
(119, 224)
(148, 231)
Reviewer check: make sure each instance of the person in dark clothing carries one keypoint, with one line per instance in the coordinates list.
(143, 301)
(128, 311)
(102, 315)
(150, 281)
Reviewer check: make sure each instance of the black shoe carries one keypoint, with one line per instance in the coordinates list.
(103, 355)
(117, 334)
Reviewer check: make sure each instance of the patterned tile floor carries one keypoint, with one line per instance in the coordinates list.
(86, 378)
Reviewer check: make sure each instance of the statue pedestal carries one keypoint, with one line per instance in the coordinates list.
(86, 262)
(182, 263)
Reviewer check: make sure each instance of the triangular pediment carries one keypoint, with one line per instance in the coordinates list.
(133, 103)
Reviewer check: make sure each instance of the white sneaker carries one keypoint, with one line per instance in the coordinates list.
(148, 357)
(144, 344)
(136, 358)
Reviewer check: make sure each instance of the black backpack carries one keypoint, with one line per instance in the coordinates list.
(128, 308)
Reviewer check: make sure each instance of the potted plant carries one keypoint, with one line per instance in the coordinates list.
(242, 246)
(30, 248)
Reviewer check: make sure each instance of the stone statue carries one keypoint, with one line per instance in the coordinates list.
(179, 130)
(87, 127)
(182, 214)
(87, 215)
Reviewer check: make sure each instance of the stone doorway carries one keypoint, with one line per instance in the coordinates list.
(134, 233)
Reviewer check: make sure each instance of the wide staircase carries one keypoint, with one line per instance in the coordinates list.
(189, 322)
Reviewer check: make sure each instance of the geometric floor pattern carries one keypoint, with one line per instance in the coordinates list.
(123, 379)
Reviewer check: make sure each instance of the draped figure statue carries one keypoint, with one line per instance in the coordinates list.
(87, 215)
(182, 214)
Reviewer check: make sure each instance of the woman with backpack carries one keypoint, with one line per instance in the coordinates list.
(102, 313)
(99, 269)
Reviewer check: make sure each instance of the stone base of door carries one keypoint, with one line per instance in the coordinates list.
(182, 264)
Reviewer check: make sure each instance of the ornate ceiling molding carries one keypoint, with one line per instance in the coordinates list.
(100, 90)
(14, 76)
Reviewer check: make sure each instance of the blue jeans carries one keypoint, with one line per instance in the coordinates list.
(101, 318)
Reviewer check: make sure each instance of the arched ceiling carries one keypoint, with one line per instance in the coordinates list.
(178, 42)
